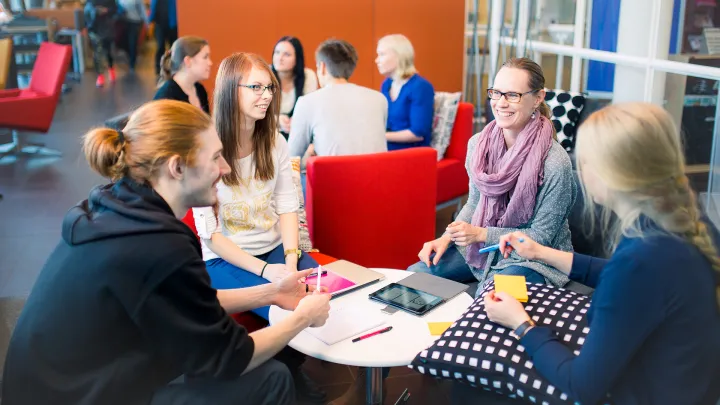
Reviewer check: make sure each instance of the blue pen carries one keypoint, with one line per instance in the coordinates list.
(496, 247)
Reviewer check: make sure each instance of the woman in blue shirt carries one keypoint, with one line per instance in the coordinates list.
(410, 96)
(654, 320)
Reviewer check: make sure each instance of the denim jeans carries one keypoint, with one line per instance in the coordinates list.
(133, 36)
(452, 266)
(225, 276)
(303, 183)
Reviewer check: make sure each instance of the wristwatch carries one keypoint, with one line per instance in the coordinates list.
(297, 252)
(524, 328)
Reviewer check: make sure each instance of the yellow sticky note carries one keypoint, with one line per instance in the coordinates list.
(438, 328)
(513, 285)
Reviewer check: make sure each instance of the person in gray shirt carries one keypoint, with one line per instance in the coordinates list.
(341, 118)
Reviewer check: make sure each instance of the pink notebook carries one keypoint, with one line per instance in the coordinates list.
(332, 281)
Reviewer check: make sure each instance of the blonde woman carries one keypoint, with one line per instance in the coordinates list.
(410, 96)
(654, 323)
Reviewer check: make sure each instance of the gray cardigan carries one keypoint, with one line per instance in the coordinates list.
(548, 225)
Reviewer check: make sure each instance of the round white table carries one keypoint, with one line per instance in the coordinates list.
(409, 336)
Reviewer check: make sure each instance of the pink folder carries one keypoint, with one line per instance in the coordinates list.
(332, 281)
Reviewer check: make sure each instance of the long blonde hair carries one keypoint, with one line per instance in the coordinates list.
(636, 150)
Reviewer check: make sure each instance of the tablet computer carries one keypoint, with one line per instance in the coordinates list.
(408, 299)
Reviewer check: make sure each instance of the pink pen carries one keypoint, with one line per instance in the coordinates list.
(319, 276)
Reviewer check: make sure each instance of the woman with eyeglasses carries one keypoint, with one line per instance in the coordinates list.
(250, 236)
(288, 65)
(520, 179)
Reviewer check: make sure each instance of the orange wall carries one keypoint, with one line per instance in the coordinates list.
(436, 29)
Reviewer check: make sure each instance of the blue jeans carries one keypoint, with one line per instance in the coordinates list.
(226, 276)
(452, 266)
(303, 182)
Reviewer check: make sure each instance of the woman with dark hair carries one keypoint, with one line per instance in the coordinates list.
(183, 67)
(250, 237)
(288, 65)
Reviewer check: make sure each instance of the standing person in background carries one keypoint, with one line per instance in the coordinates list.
(288, 65)
(183, 67)
(164, 14)
(136, 16)
(411, 98)
(99, 19)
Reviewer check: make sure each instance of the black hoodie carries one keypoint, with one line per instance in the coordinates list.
(122, 307)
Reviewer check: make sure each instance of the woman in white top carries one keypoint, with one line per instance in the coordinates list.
(250, 237)
(288, 65)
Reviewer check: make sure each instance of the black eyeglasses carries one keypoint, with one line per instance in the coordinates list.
(260, 89)
(510, 96)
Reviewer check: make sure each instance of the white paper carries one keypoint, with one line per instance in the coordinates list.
(347, 322)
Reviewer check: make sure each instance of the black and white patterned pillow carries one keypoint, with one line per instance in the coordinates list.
(478, 352)
(566, 108)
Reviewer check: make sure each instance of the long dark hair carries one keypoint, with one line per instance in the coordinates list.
(298, 70)
(228, 117)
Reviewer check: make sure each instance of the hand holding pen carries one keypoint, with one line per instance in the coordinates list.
(519, 243)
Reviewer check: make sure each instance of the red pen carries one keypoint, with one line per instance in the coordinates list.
(377, 332)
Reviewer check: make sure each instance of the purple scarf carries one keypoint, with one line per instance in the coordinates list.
(498, 174)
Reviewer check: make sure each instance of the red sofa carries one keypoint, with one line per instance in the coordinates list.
(452, 178)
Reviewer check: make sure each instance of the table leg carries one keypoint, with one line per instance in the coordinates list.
(374, 395)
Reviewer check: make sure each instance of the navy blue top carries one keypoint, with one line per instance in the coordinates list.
(164, 13)
(654, 328)
(413, 110)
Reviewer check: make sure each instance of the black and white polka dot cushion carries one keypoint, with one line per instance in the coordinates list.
(483, 354)
(566, 108)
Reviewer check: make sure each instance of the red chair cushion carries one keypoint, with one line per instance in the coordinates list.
(250, 321)
(10, 93)
(322, 259)
(375, 210)
(452, 177)
(33, 109)
(452, 180)
(461, 133)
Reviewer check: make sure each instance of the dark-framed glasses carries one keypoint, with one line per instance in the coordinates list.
(510, 96)
(260, 89)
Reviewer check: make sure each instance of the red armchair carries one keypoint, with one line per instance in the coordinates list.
(452, 178)
(376, 210)
(32, 109)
